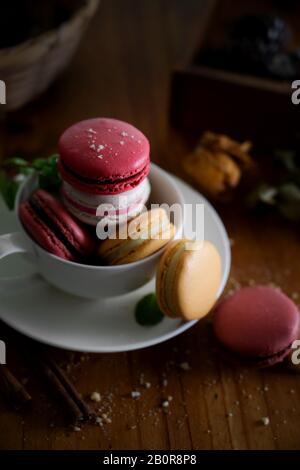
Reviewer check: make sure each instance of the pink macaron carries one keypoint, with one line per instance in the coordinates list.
(259, 323)
(102, 160)
(54, 229)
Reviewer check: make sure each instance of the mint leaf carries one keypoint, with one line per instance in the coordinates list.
(147, 311)
(263, 193)
(27, 170)
(16, 162)
(46, 168)
(47, 171)
(289, 201)
(8, 189)
(53, 159)
(39, 163)
(288, 159)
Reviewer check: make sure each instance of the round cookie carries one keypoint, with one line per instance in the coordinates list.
(188, 279)
(259, 323)
(147, 233)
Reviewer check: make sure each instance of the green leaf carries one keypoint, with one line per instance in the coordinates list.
(53, 158)
(8, 189)
(16, 162)
(288, 159)
(39, 163)
(147, 311)
(268, 194)
(49, 179)
(289, 192)
(47, 170)
(263, 193)
(289, 201)
(27, 170)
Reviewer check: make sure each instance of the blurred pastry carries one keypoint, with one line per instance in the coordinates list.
(217, 163)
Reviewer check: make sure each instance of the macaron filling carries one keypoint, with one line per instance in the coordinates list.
(168, 280)
(102, 185)
(117, 208)
(131, 244)
(261, 361)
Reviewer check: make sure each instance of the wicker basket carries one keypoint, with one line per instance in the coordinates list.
(29, 68)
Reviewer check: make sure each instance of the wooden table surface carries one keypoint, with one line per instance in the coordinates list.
(122, 69)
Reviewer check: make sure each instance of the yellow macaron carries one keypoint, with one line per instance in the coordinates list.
(188, 279)
(146, 234)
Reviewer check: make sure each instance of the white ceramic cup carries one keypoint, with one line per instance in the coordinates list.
(94, 281)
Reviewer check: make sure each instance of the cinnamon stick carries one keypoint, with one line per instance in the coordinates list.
(71, 407)
(14, 392)
(78, 410)
(69, 388)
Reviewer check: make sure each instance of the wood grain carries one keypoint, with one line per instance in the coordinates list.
(122, 69)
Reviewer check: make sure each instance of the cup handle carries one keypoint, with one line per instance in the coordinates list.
(15, 243)
(12, 243)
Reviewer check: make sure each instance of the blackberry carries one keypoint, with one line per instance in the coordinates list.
(282, 66)
(263, 34)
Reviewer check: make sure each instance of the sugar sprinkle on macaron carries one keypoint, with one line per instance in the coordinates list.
(98, 163)
(81, 145)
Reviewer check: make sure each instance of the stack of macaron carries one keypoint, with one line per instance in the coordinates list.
(104, 165)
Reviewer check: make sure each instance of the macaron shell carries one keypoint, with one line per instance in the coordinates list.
(103, 187)
(133, 248)
(149, 247)
(138, 224)
(187, 287)
(257, 322)
(63, 222)
(161, 272)
(198, 281)
(41, 233)
(103, 151)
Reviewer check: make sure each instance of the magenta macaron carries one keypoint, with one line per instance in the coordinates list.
(259, 323)
(103, 156)
(100, 160)
(53, 228)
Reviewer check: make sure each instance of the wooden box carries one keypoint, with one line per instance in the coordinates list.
(243, 106)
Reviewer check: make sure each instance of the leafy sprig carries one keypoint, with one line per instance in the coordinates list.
(284, 195)
(46, 169)
(8, 190)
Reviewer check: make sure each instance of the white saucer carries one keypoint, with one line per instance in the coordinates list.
(34, 308)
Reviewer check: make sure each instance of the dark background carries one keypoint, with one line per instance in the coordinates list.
(122, 69)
